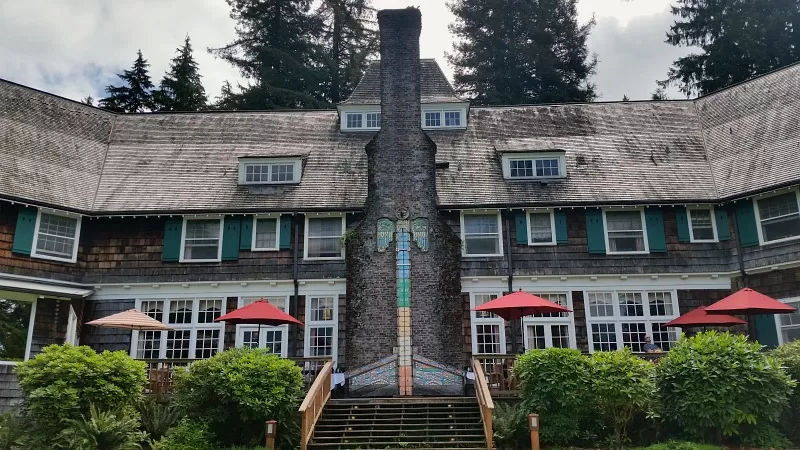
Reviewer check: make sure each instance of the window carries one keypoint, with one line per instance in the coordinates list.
(442, 118)
(324, 237)
(625, 231)
(701, 225)
(779, 217)
(624, 318)
(521, 168)
(488, 330)
(275, 339)
(193, 334)
(547, 168)
(265, 233)
(433, 119)
(321, 326)
(374, 120)
(550, 329)
(202, 240)
(269, 171)
(452, 118)
(481, 234)
(533, 166)
(17, 335)
(354, 120)
(361, 121)
(541, 228)
(789, 324)
(56, 237)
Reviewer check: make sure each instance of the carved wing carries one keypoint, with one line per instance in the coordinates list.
(385, 234)
(419, 228)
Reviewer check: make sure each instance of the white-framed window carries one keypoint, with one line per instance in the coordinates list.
(617, 319)
(56, 236)
(534, 166)
(201, 240)
(355, 120)
(551, 329)
(323, 237)
(266, 233)
(702, 226)
(541, 228)
(788, 325)
(269, 171)
(481, 234)
(625, 231)
(778, 217)
(433, 117)
(488, 330)
(193, 333)
(373, 120)
(361, 121)
(276, 339)
(321, 330)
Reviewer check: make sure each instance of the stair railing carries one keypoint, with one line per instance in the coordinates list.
(315, 400)
(485, 401)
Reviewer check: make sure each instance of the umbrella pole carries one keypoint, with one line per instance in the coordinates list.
(258, 344)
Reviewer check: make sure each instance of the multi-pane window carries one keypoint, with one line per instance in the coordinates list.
(273, 338)
(481, 234)
(452, 118)
(535, 168)
(481, 299)
(56, 237)
(324, 237)
(487, 339)
(265, 234)
(550, 329)
(282, 173)
(701, 225)
(547, 168)
(433, 119)
(321, 326)
(373, 120)
(779, 216)
(521, 168)
(488, 330)
(265, 173)
(790, 324)
(541, 229)
(625, 232)
(321, 309)
(193, 332)
(625, 318)
(202, 239)
(354, 120)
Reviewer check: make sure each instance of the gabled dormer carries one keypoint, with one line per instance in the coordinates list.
(441, 109)
(532, 160)
(254, 171)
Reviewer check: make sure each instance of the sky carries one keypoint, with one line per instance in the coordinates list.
(75, 48)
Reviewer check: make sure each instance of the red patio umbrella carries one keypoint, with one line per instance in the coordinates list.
(520, 304)
(698, 317)
(748, 301)
(260, 312)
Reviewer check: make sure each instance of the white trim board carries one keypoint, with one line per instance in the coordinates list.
(579, 283)
(229, 289)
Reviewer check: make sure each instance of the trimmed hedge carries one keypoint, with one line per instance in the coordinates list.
(789, 357)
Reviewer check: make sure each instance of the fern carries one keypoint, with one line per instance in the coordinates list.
(103, 430)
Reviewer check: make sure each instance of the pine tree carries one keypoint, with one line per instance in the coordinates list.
(349, 39)
(739, 39)
(181, 88)
(659, 94)
(519, 51)
(275, 50)
(88, 100)
(134, 96)
(625, 98)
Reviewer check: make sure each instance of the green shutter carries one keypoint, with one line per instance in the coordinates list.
(723, 227)
(560, 217)
(682, 218)
(595, 234)
(23, 233)
(230, 238)
(521, 227)
(246, 237)
(746, 224)
(656, 239)
(173, 227)
(765, 331)
(286, 232)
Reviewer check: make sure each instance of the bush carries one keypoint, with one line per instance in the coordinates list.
(11, 431)
(682, 445)
(103, 430)
(510, 426)
(622, 385)
(186, 435)
(556, 384)
(157, 417)
(789, 357)
(711, 384)
(62, 381)
(237, 390)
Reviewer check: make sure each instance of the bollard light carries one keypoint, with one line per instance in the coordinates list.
(533, 422)
(272, 431)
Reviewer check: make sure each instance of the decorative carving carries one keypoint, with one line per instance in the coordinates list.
(419, 229)
(402, 214)
(385, 234)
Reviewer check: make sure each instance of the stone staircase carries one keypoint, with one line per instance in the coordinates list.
(400, 423)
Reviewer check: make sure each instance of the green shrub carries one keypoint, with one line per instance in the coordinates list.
(62, 381)
(764, 436)
(157, 417)
(622, 385)
(682, 445)
(789, 357)
(12, 430)
(103, 430)
(711, 384)
(510, 426)
(186, 435)
(237, 390)
(556, 384)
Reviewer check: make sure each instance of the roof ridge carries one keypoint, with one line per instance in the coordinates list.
(56, 96)
(749, 80)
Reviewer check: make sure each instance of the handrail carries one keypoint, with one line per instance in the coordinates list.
(315, 400)
(485, 402)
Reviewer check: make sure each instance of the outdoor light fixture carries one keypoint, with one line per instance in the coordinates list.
(533, 425)
(272, 431)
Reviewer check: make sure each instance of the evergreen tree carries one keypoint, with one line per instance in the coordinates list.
(275, 49)
(14, 318)
(625, 98)
(739, 39)
(88, 100)
(181, 88)
(349, 39)
(520, 51)
(134, 96)
(659, 94)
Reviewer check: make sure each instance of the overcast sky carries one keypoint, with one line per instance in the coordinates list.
(74, 48)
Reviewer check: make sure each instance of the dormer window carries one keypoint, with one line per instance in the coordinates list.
(442, 117)
(269, 171)
(361, 121)
(534, 166)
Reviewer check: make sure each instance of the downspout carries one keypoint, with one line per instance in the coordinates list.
(510, 260)
(739, 255)
(295, 275)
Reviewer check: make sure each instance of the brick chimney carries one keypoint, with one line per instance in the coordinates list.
(400, 67)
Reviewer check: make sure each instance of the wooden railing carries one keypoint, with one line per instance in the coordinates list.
(315, 401)
(485, 401)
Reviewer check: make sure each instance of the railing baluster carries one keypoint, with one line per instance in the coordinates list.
(485, 402)
(315, 400)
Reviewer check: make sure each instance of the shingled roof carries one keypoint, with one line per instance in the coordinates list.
(434, 87)
(734, 143)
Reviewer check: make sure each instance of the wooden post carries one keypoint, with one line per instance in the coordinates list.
(533, 424)
(272, 430)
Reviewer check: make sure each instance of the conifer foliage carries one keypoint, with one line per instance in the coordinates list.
(134, 95)
(521, 51)
(181, 88)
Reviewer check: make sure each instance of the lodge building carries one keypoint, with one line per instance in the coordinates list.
(381, 224)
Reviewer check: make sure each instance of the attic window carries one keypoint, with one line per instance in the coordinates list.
(361, 121)
(538, 166)
(442, 118)
(269, 171)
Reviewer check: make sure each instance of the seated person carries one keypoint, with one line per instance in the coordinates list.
(649, 347)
